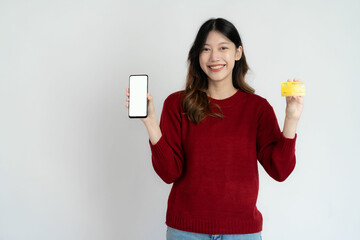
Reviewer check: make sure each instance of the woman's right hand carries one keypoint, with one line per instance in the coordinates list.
(151, 122)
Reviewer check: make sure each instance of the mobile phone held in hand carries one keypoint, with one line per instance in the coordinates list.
(138, 89)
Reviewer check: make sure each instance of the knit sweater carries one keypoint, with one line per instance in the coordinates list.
(213, 164)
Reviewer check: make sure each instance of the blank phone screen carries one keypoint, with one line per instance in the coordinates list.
(138, 96)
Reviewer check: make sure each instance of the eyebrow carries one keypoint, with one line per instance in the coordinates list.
(218, 44)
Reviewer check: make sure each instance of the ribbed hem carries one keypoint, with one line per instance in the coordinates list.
(287, 144)
(158, 148)
(215, 226)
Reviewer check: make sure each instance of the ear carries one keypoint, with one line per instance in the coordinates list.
(238, 53)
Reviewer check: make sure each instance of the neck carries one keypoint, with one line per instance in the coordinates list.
(220, 91)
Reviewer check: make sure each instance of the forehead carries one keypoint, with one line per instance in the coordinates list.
(215, 38)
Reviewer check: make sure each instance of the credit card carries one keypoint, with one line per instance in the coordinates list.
(292, 89)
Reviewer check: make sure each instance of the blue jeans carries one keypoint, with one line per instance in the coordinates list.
(174, 234)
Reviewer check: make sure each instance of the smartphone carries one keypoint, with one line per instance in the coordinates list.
(138, 89)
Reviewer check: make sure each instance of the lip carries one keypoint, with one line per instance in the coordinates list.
(216, 69)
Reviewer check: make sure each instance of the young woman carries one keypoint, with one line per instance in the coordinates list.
(211, 136)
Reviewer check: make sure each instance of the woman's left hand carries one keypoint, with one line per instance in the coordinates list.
(294, 105)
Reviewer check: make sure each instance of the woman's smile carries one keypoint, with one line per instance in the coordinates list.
(216, 67)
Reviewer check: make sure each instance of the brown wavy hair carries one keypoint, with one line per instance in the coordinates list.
(196, 104)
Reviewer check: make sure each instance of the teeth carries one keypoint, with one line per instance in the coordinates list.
(217, 67)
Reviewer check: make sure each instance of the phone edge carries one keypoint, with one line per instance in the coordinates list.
(147, 91)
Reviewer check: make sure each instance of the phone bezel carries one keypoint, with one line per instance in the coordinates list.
(147, 91)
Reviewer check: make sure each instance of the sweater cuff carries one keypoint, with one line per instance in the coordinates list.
(288, 144)
(158, 148)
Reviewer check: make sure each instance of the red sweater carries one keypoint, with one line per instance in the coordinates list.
(213, 165)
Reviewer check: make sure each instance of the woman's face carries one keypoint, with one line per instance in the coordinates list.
(218, 56)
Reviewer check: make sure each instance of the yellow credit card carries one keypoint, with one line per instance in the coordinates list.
(292, 89)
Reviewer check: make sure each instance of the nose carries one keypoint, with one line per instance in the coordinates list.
(214, 56)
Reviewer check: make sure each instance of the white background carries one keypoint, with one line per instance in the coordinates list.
(74, 166)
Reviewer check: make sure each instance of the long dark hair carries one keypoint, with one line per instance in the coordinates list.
(195, 103)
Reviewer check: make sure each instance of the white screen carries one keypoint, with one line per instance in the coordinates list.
(138, 96)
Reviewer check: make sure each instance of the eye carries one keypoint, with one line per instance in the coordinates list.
(205, 49)
(223, 48)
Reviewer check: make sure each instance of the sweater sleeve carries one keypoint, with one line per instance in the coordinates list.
(275, 152)
(167, 153)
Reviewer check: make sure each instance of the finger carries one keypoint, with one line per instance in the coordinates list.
(127, 105)
(127, 99)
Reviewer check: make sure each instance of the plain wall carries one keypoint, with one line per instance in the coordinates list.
(74, 166)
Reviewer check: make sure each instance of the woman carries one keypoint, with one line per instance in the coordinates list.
(211, 136)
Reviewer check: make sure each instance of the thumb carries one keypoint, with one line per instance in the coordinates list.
(149, 97)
